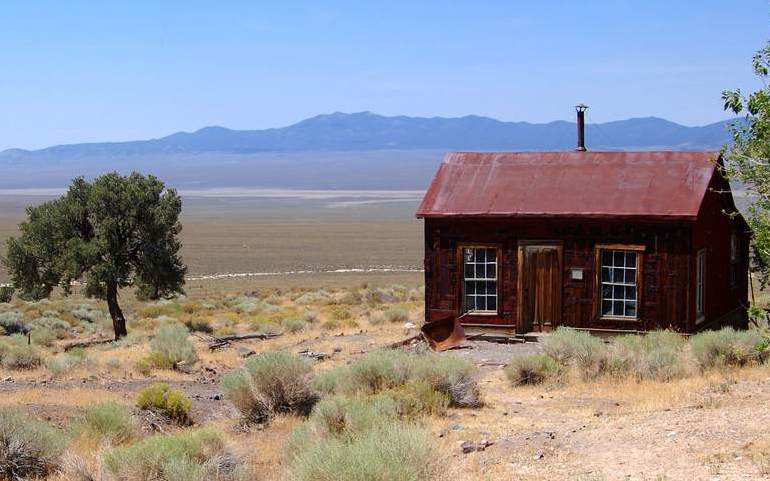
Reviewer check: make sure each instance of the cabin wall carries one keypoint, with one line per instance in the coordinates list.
(725, 302)
(666, 263)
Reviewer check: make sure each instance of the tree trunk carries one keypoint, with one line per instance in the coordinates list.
(118, 321)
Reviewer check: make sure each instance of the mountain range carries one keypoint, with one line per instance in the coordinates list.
(339, 151)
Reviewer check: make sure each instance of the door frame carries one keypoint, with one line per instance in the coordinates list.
(521, 247)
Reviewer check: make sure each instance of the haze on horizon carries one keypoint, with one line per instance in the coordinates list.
(85, 72)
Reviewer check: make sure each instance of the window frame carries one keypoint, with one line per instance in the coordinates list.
(639, 250)
(701, 266)
(461, 274)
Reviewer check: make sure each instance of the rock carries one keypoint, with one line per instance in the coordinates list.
(246, 352)
(456, 427)
(468, 447)
(538, 455)
(217, 397)
(8, 379)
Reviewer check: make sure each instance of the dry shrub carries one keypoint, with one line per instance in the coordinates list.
(396, 315)
(532, 369)
(109, 421)
(387, 369)
(346, 417)
(270, 383)
(6, 294)
(12, 322)
(728, 347)
(171, 403)
(29, 448)
(657, 355)
(394, 452)
(188, 456)
(16, 353)
(293, 325)
(171, 347)
(577, 348)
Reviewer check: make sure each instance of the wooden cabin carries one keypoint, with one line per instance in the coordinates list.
(599, 240)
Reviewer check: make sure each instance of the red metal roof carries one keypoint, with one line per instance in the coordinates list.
(668, 184)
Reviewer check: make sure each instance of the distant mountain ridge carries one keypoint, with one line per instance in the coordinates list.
(369, 131)
(336, 151)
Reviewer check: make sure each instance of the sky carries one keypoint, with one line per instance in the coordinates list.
(84, 71)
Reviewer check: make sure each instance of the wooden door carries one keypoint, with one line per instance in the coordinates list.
(541, 286)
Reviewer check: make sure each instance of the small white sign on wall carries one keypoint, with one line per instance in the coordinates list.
(576, 274)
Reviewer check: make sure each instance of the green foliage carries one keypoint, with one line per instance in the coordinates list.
(348, 417)
(532, 369)
(658, 355)
(392, 453)
(728, 347)
(747, 159)
(29, 449)
(269, 383)
(419, 398)
(117, 231)
(169, 402)
(293, 325)
(69, 360)
(45, 330)
(109, 421)
(188, 456)
(171, 347)
(6, 294)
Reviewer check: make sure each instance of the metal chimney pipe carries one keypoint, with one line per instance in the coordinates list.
(581, 127)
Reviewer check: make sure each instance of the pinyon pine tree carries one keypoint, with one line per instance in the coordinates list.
(115, 232)
(747, 159)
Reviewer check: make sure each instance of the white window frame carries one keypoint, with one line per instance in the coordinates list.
(488, 267)
(612, 284)
(700, 285)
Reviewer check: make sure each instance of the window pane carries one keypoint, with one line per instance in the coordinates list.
(469, 256)
(480, 271)
(606, 258)
(606, 292)
(618, 260)
(617, 275)
(481, 304)
(630, 308)
(606, 308)
(469, 271)
(631, 293)
(491, 255)
(618, 292)
(481, 287)
(606, 274)
(630, 276)
(491, 287)
(617, 308)
(492, 303)
(630, 259)
(470, 287)
(480, 257)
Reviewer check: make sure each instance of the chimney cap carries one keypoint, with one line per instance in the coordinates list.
(581, 107)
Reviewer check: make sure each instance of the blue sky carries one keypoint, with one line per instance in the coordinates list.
(76, 71)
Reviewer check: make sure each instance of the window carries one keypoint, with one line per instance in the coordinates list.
(480, 279)
(700, 282)
(733, 259)
(619, 281)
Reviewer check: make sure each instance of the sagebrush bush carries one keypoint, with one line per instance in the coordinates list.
(199, 455)
(108, 421)
(344, 416)
(396, 314)
(172, 347)
(270, 383)
(532, 369)
(392, 453)
(172, 403)
(728, 347)
(578, 348)
(29, 449)
(199, 326)
(12, 322)
(658, 355)
(16, 353)
(69, 360)
(293, 325)
(390, 368)
(59, 327)
(419, 398)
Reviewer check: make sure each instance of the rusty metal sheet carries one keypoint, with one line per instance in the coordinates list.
(656, 185)
(443, 334)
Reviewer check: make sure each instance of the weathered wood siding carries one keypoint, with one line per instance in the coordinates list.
(666, 277)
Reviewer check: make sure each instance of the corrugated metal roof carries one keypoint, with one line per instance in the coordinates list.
(668, 184)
